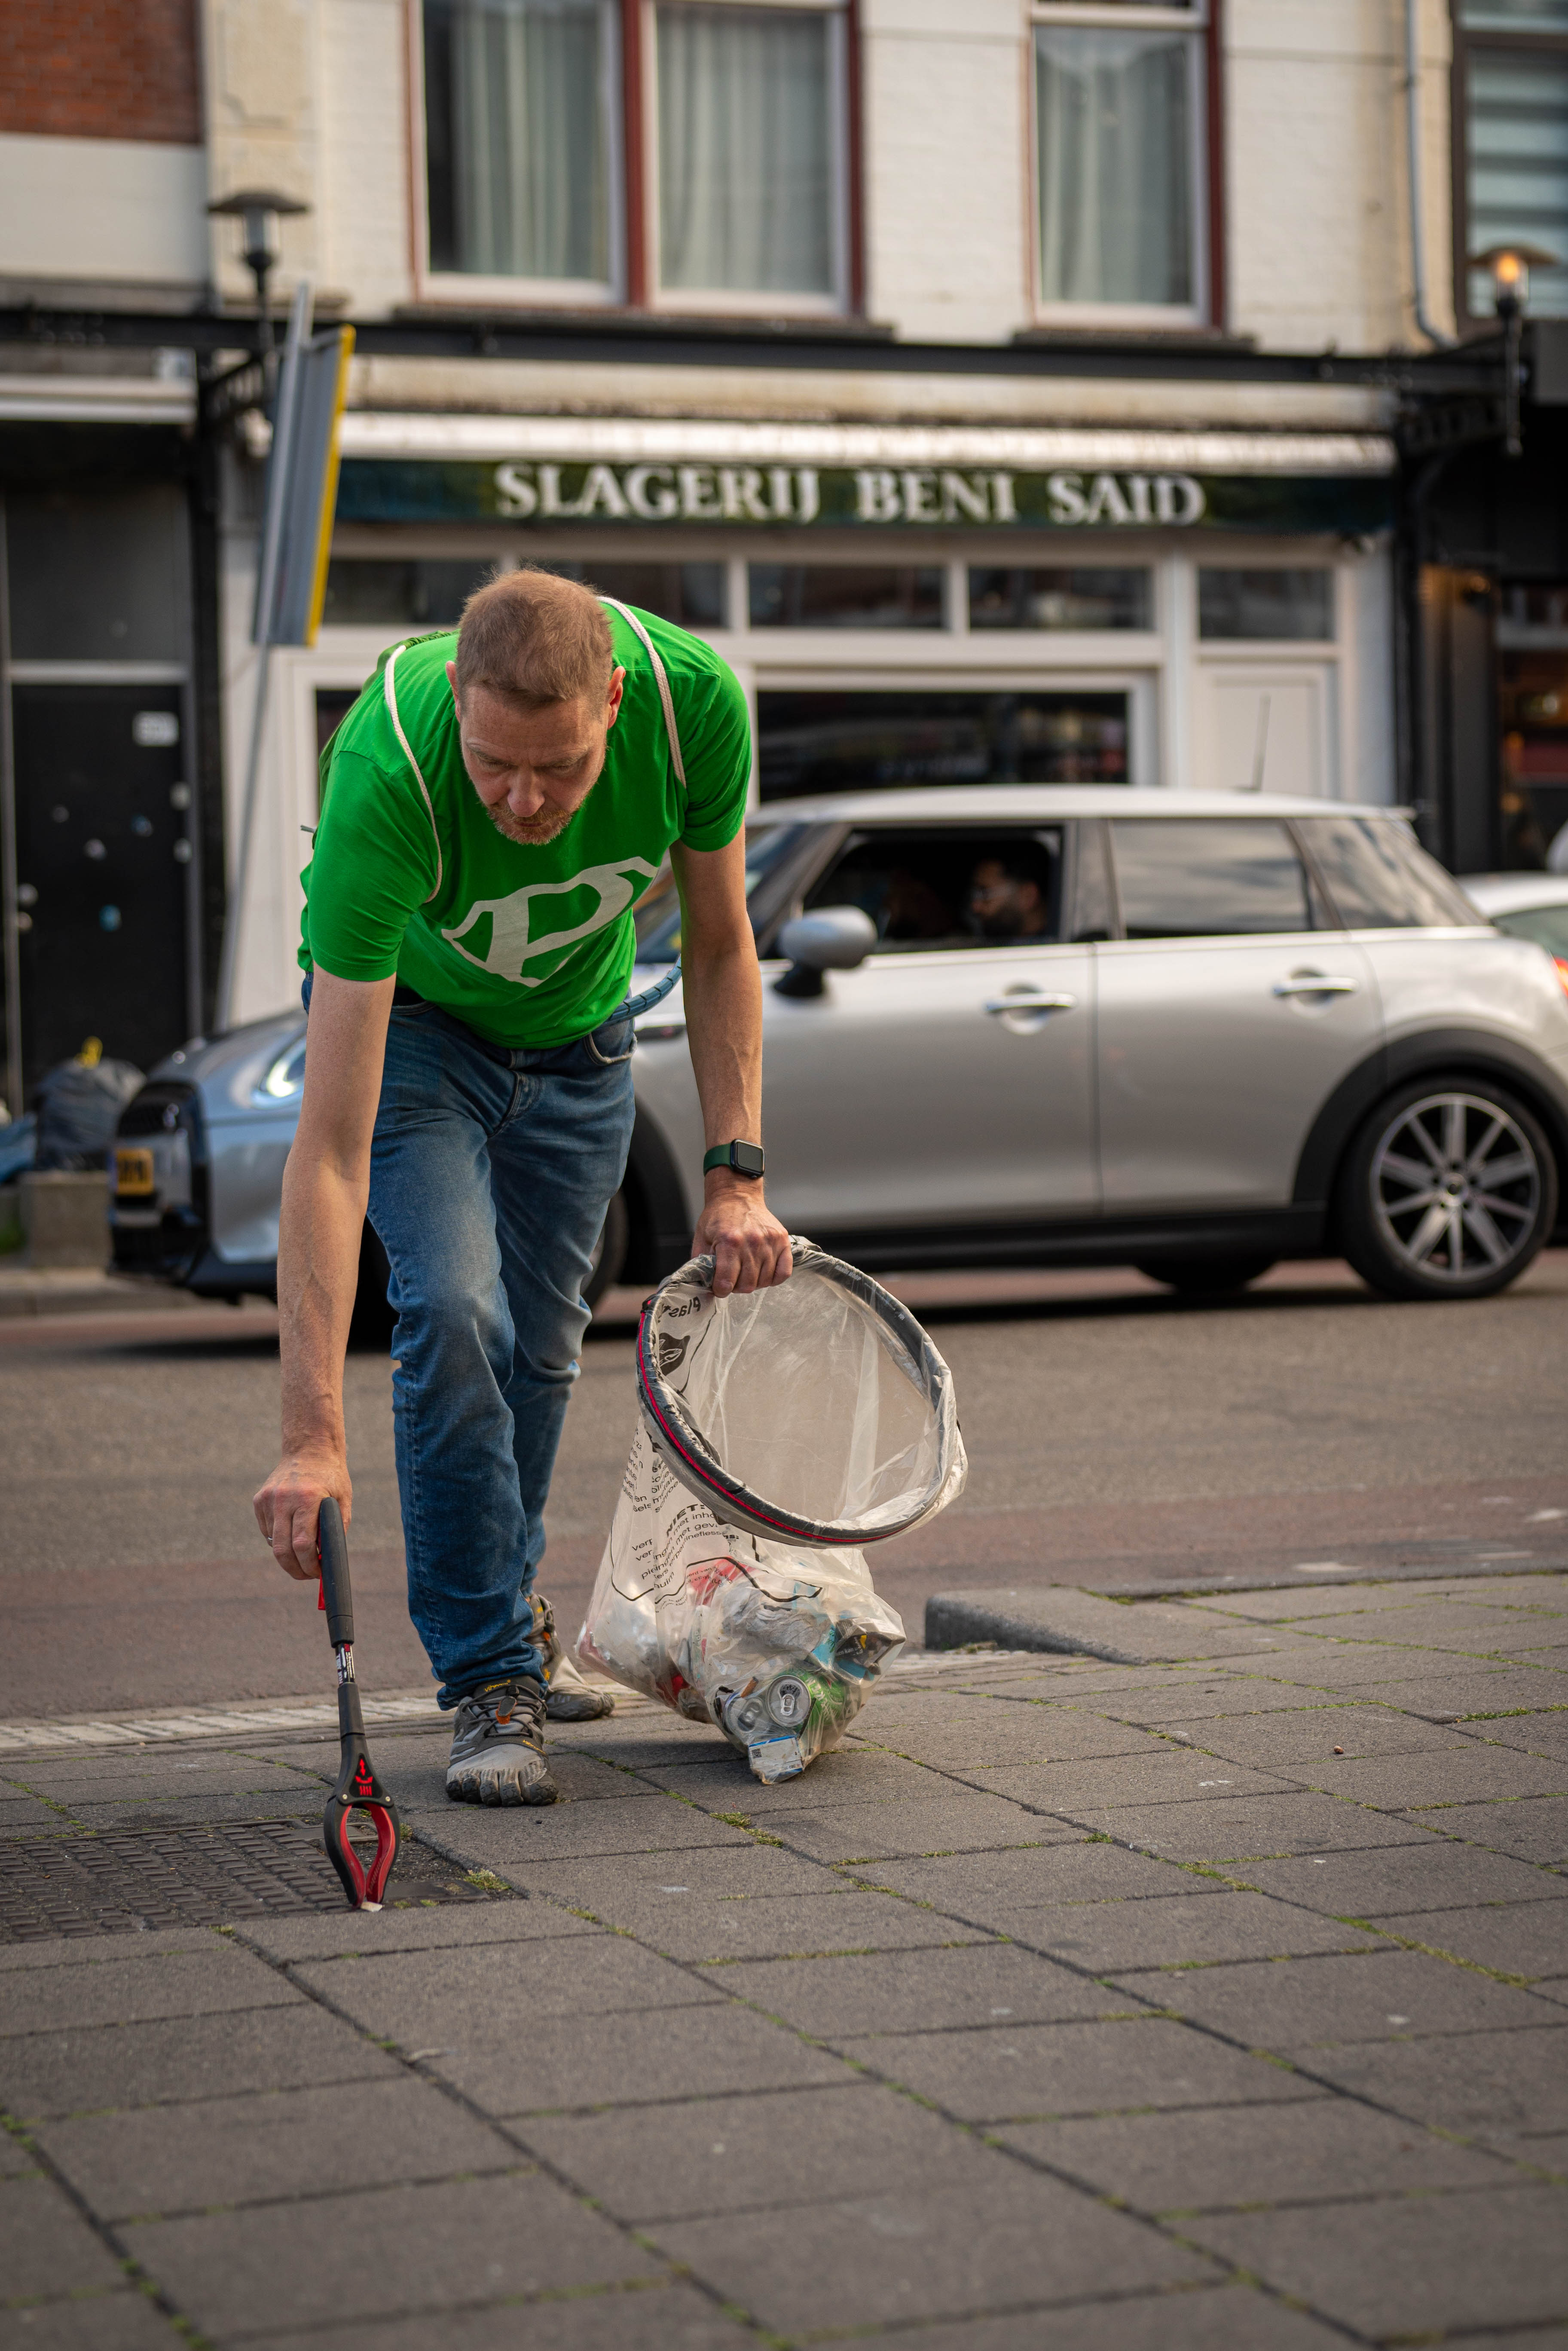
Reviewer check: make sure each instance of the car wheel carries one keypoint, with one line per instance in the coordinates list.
(1195, 1277)
(608, 1251)
(1449, 1191)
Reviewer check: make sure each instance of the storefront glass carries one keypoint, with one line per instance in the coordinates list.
(1273, 606)
(845, 595)
(1532, 712)
(838, 742)
(1089, 597)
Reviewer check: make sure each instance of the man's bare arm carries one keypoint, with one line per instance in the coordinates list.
(722, 995)
(325, 1188)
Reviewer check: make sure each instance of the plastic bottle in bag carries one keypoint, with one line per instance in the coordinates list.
(780, 1433)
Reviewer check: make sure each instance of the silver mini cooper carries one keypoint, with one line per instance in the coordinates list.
(1032, 1025)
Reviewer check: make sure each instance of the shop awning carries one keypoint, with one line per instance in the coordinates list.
(621, 441)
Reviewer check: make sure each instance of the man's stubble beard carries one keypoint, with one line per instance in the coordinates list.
(533, 831)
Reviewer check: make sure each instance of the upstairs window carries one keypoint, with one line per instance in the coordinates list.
(1121, 161)
(689, 154)
(519, 147)
(750, 200)
(1510, 118)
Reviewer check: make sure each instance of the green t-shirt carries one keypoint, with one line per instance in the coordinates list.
(528, 945)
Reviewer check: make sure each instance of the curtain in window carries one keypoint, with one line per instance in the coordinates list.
(1519, 167)
(1115, 166)
(745, 151)
(521, 150)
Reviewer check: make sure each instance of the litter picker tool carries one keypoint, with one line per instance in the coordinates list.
(358, 1789)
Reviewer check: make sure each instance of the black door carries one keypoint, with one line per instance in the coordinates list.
(101, 855)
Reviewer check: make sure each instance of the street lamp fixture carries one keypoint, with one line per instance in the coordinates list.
(1510, 265)
(260, 210)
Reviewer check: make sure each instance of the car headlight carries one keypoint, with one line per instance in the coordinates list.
(285, 1082)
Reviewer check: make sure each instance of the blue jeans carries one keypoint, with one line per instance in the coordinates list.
(490, 1174)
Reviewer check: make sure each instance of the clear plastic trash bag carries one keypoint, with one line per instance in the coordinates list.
(780, 1432)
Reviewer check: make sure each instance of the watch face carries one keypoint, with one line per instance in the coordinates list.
(747, 1158)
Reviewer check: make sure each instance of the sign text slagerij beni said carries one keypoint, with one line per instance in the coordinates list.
(377, 489)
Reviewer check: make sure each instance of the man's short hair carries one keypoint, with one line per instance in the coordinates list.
(536, 638)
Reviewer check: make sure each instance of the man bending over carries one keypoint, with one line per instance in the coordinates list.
(493, 807)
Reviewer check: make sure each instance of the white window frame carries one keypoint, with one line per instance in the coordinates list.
(1105, 15)
(467, 290)
(727, 302)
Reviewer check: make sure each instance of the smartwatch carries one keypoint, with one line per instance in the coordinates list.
(744, 1158)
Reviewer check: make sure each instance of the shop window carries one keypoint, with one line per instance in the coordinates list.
(1121, 158)
(703, 160)
(1198, 879)
(1379, 879)
(367, 592)
(748, 149)
(1089, 598)
(690, 594)
(1510, 118)
(1532, 714)
(1273, 606)
(942, 887)
(840, 742)
(845, 595)
(518, 129)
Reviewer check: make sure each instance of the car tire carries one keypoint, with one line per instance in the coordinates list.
(1206, 1277)
(610, 1251)
(1448, 1190)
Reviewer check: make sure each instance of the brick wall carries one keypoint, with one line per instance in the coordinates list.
(101, 69)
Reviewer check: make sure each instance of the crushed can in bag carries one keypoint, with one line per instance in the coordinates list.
(780, 1433)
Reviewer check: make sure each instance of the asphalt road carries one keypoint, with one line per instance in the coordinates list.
(1114, 1433)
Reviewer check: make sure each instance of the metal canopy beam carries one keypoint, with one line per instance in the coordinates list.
(677, 342)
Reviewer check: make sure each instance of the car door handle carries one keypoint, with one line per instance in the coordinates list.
(1030, 1001)
(1315, 983)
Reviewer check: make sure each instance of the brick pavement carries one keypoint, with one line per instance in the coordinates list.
(1221, 2001)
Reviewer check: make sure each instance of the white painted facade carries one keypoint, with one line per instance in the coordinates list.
(323, 99)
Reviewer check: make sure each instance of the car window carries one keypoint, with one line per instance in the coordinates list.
(1547, 926)
(1201, 877)
(658, 912)
(1378, 876)
(950, 886)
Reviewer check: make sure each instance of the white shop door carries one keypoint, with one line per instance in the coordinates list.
(1267, 729)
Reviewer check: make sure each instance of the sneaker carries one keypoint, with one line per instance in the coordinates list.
(498, 1747)
(568, 1698)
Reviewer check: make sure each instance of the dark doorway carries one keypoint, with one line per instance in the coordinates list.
(101, 851)
(838, 742)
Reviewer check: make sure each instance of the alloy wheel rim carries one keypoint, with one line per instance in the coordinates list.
(1456, 1188)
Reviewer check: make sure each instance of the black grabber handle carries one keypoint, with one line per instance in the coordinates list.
(358, 1788)
(337, 1591)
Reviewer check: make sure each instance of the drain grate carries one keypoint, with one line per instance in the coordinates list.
(125, 1881)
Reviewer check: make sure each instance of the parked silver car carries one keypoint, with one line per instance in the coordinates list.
(1525, 905)
(1036, 1025)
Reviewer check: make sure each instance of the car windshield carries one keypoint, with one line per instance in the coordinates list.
(1547, 926)
(658, 914)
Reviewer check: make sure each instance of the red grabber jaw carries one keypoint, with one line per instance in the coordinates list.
(357, 1788)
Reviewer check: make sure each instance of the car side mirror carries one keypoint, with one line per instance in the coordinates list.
(830, 938)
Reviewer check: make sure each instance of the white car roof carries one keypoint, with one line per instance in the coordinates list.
(1007, 803)
(1510, 894)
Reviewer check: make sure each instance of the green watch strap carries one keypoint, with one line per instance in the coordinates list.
(744, 1158)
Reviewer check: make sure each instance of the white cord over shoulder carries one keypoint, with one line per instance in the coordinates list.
(391, 694)
(663, 681)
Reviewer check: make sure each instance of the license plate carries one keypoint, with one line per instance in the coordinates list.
(134, 1175)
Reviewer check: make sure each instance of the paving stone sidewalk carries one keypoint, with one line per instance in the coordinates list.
(1220, 2002)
